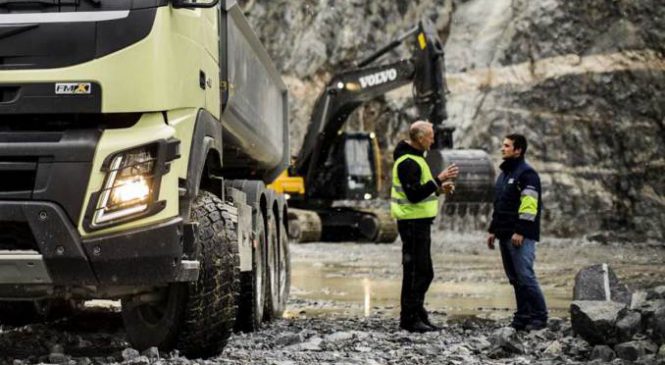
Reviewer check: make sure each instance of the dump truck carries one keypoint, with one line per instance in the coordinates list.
(136, 140)
(336, 170)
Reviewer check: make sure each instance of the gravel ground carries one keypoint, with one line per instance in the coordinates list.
(336, 324)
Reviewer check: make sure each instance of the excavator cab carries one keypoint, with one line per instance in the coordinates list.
(361, 166)
(350, 171)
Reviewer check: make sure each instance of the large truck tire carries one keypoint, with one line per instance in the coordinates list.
(251, 302)
(284, 270)
(272, 287)
(197, 317)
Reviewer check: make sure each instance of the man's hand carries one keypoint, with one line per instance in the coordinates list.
(490, 241)
(448, 187)
(449, 172)
(517, 240)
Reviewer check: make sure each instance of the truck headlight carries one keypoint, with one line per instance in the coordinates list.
(128, 186)
(131, 186)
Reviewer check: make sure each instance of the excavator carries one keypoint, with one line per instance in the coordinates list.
(334, 165)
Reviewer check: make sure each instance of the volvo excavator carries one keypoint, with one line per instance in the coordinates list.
(334, 165)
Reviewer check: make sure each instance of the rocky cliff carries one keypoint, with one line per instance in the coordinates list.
(584, 81)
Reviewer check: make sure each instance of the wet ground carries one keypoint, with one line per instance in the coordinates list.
(344, 309)
(348, 278)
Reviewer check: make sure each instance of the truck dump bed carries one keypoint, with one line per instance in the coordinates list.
(254, 99)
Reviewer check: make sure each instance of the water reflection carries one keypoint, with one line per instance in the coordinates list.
(368, 294)
(365, 279)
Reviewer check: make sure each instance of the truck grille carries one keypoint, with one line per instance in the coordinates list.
(47, 164)
(17, 174)
(16, 236)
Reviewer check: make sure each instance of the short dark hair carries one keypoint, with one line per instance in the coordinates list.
(519, 142)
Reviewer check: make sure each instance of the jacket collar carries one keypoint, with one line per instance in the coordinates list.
(403, 148)
(511, 163)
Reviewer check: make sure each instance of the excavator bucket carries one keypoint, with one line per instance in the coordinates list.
(474, 188)
(475, 183)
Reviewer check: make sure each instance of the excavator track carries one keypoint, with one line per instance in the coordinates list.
(342, 224)
(304, 225)
(386, 224)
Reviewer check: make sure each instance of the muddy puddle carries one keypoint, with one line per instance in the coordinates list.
(363, 279)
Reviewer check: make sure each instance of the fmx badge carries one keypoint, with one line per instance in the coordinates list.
(70, 88)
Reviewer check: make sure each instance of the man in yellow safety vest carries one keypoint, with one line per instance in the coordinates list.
(414, 204)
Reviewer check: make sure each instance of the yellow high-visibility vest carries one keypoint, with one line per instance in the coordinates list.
(400, 206)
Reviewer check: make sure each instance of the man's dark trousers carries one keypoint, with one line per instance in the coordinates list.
(417, 266)
(518, 264)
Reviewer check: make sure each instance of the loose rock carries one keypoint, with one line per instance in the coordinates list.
(130, 354)
(629, 324)
(603, 353)
(630, 351)
(656, 293)
(506, 339)
(596, 321)
(554, 349)
(656, 324)
(288, 339)
(57, 358)
(151, 353)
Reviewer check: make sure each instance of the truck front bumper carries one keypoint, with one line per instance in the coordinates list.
(57, 255)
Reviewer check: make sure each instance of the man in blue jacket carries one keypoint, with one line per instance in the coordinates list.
(516, 223)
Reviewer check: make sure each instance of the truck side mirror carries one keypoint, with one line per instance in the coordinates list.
(194, 3)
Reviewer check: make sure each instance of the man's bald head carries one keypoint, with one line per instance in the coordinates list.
(421, 134)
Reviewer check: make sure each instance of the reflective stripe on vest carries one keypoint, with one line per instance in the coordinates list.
(400, 206)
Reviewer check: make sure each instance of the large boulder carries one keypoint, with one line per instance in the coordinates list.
(595, 321)
(629, 323)
(599, 282)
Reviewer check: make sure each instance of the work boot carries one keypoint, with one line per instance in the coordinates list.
(518, 326)
(416, 325)
(535, 326)
(424, 317)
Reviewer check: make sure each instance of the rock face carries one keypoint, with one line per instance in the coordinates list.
(584, 81)
(590, 285)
